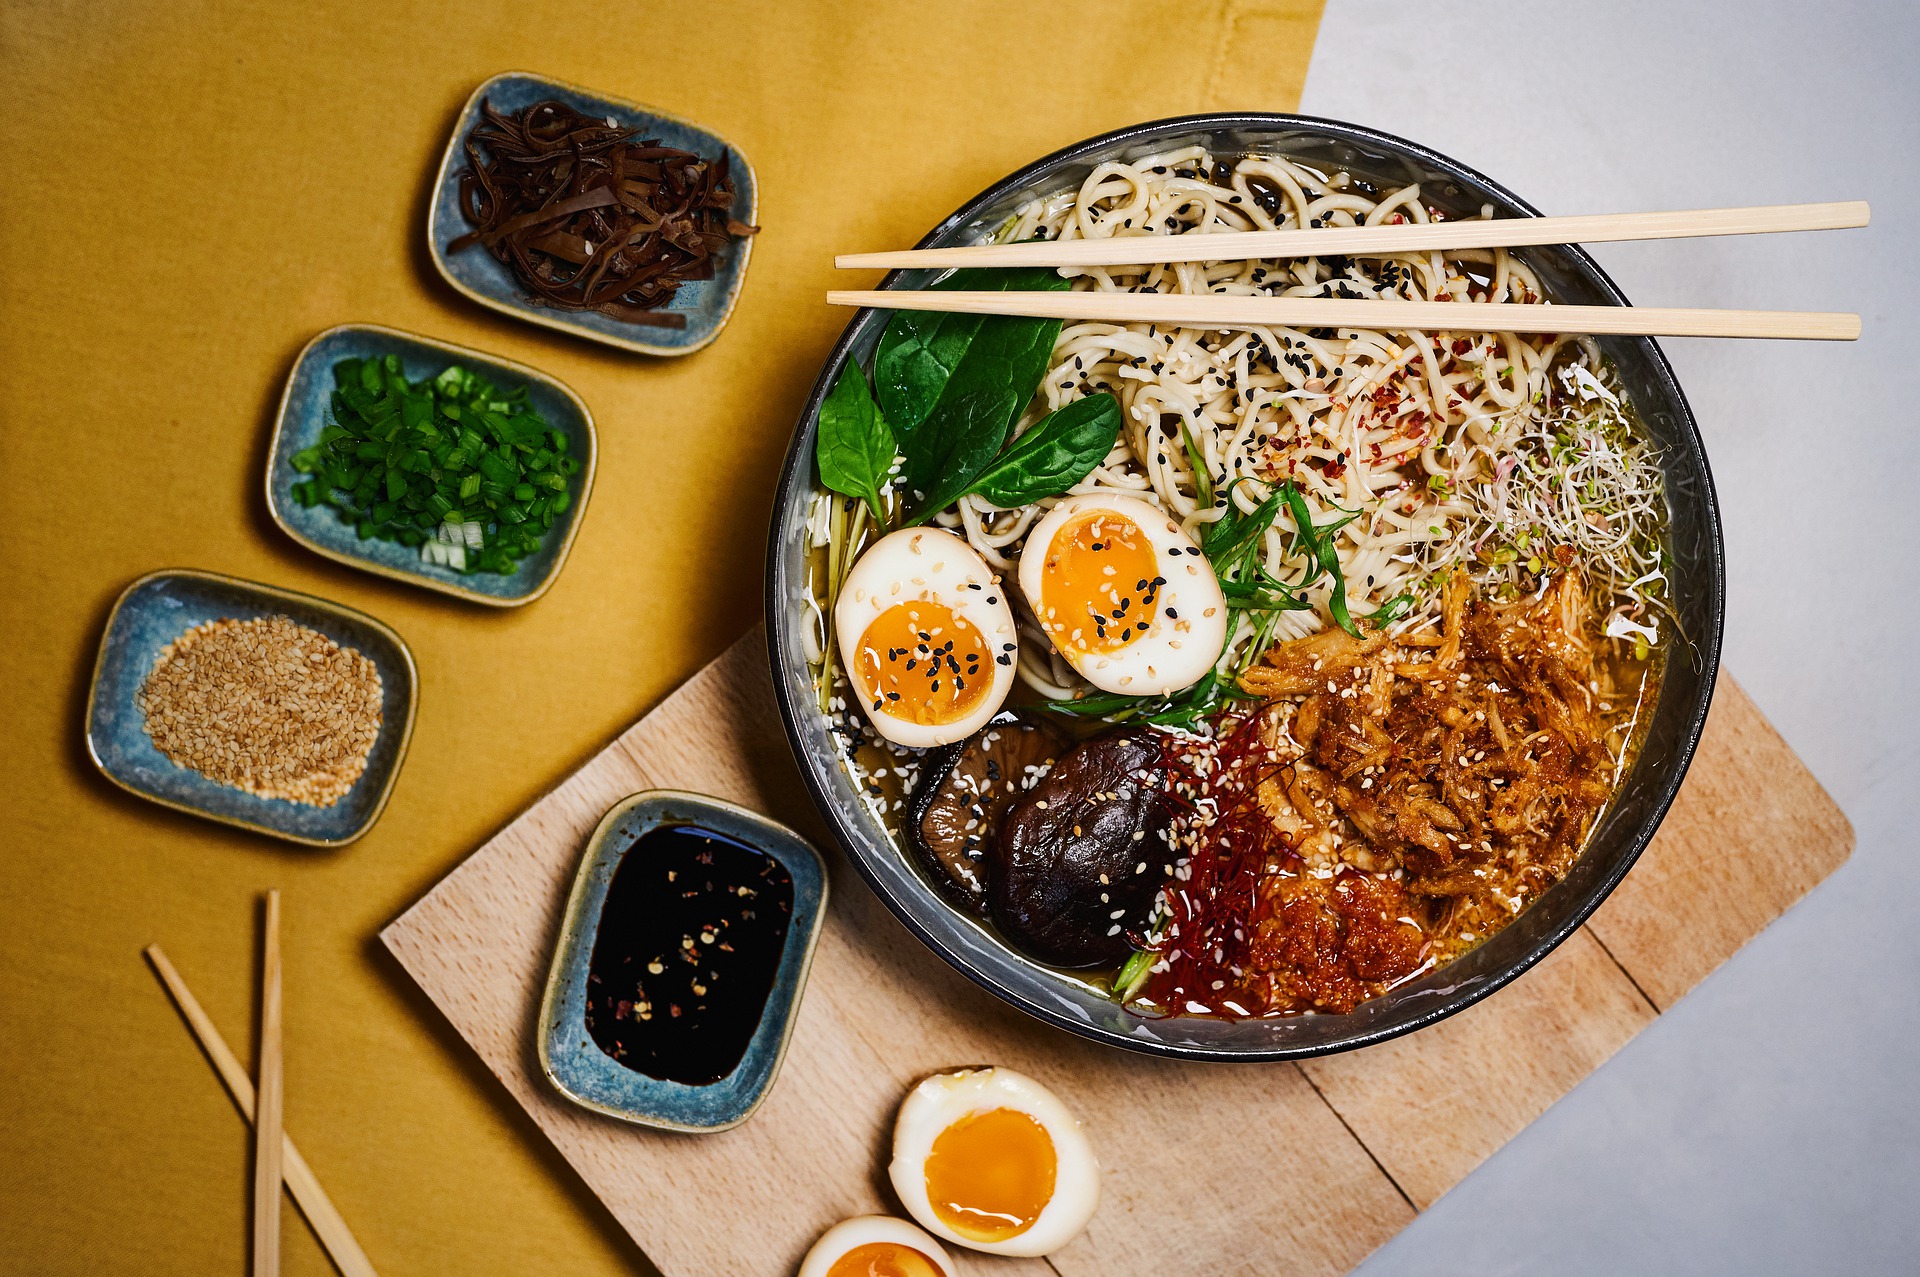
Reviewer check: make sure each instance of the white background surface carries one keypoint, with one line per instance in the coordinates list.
(1770, 1122)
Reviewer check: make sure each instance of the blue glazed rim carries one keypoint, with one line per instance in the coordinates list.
(119, 746)
(1629, 824)
(585, 1074)
(304, 404)
(478, 276)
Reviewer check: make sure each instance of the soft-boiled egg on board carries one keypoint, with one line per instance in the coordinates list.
(876, 1246)
(926, 636)
(1124, 595)
(990, 1159)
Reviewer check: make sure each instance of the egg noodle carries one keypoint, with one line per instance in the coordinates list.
(1484, 451)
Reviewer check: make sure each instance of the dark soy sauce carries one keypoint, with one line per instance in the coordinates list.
(690, 938)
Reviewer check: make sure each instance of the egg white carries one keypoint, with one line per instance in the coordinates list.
(1189, 627)
(862, 1230)
(927, 563)
(943, 1099)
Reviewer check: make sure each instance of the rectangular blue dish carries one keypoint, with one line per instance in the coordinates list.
(159, 608)
(582, 1068)
(305, 410)
(477, 274)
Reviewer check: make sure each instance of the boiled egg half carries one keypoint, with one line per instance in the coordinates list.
(876, 1246)
(990, 1159)
(926, 636)
(1124, 595)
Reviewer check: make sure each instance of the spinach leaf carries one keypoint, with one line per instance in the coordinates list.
(922, 349)
(956, 443)
(917, 356)
(1003, 358)
(1059, 451)
(853, 444)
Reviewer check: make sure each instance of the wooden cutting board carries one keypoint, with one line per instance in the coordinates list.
(1210, 1168)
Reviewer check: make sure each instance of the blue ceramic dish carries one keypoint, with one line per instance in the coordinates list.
(568, 1055)
(159, 608)
(707, 304)
(305, 409)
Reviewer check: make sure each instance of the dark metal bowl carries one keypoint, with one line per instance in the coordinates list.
(1697, 579)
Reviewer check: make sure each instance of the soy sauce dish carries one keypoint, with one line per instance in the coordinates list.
(681, 957)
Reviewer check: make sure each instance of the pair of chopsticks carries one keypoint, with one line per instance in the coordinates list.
(276, 1160)
(1208, 309)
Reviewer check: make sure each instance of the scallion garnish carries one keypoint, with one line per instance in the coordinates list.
(401, 460)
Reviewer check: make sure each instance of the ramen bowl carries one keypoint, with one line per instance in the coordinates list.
(1673, 725)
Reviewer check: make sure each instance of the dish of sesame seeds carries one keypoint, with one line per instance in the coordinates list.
(266, 706)
(251, 705)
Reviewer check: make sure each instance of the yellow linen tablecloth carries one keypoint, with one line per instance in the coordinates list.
(187, 194)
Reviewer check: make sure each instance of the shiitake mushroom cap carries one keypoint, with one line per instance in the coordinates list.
(1081, 856)
(955, 858)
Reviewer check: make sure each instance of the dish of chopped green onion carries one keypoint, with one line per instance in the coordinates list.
(467, 471)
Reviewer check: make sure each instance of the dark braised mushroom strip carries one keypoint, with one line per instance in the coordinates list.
(588, 218)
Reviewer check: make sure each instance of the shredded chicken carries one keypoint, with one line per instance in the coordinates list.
(1470, 769)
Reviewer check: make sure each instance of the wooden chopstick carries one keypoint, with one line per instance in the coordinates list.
(1207, 310)
(312, 1199)
(1407, 237)
(267, 1130)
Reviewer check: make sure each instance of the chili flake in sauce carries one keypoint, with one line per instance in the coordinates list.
(689, 941)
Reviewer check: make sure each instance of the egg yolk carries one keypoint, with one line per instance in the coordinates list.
(990, 1174)
(884, 1259)
(1100, 584)
(923, 663)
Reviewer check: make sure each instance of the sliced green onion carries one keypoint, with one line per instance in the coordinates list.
(453, 462)
(1133, 974)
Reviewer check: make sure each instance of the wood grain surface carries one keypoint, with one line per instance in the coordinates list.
(1210, 1168)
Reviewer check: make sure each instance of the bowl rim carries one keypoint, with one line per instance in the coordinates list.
(577, 514)
(272, 592)
(556, 319)
(661, 806)
(797, 468)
